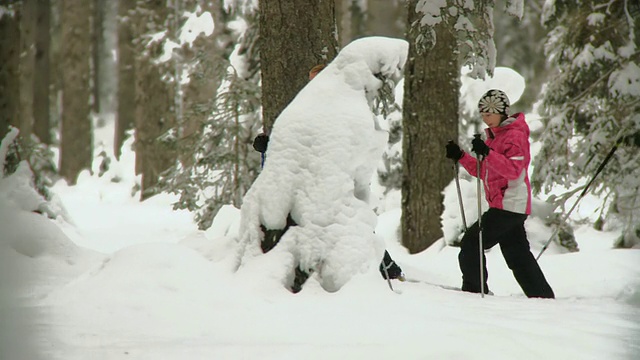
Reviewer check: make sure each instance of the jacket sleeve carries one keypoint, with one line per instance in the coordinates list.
(469, 163)
(510, 164)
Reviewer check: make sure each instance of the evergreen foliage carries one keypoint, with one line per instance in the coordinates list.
(15, 149)
(593, 103)
(390, 174)
(473, 24)
(224, 164)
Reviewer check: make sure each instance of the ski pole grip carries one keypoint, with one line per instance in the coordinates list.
(455, 162)
(478, 136)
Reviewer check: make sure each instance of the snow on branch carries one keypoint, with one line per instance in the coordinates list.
(4, 147)
(473, 23)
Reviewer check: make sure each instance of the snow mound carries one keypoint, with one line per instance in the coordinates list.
(31, 233)
(17, 189)
(322, 153)
(48, 239)
(118, 292)
(31, 244)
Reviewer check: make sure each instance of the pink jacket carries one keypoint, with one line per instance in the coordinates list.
(504, 170)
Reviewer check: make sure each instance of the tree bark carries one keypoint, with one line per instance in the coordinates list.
(207, 52)
(9, 71)
(385, 18)
(42, 124)
(430, 119)
(97, 42)
(55, 97)
(126, 76)
(27, 65)
(155, 99)
(347, 22)
(75, 143)
(295, 36)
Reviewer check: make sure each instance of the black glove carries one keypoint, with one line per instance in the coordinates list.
(260, 142)
(479, 147)
(453, 151)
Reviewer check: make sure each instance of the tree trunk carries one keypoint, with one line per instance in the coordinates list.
(430, 119)
(155, 99)
(42, 124)
(97, 43)
(75, 143)
(55, 98)
(295, 36)
(126, 76)
(154, 117)
(208, 55)
(350, 21)
(385, 18)
(28, 11)
(9, 70)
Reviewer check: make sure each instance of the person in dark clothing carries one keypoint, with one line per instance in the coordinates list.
(505, 157)
(388, 266)
(260, 144)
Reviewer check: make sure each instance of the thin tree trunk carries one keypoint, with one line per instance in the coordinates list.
(207, 53)
(76, 144)
(126, 76)
(430, 119)
(295, 36)
(55, 99)
(97, 42)
(155, 99)
(343, 22)
(385, 18)
(42, 124)
(28, 14)
(154, 117)
(9, 68)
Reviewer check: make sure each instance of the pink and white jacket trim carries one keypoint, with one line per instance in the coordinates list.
(504, 171)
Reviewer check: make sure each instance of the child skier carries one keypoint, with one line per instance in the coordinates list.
(504, 160)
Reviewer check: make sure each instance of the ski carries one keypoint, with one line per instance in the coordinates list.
(446, 287)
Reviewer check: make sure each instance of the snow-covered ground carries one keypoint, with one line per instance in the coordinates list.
(131, 280)
(171, 296)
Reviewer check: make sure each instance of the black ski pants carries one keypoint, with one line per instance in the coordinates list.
(507, 229)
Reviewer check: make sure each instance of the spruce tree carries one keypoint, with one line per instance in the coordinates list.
(592, 103)
(223, 164)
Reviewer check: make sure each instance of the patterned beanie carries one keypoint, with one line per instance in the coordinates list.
(494, 102)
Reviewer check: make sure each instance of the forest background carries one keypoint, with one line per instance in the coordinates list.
(195, 101)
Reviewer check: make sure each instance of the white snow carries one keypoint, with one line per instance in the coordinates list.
(626, 81)
(196, 25)
(115, 278)
(322, 152)
(431, 10)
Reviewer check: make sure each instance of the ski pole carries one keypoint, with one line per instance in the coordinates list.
(479, 193)
(456, 168)
(386, 274)
(584, 192)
